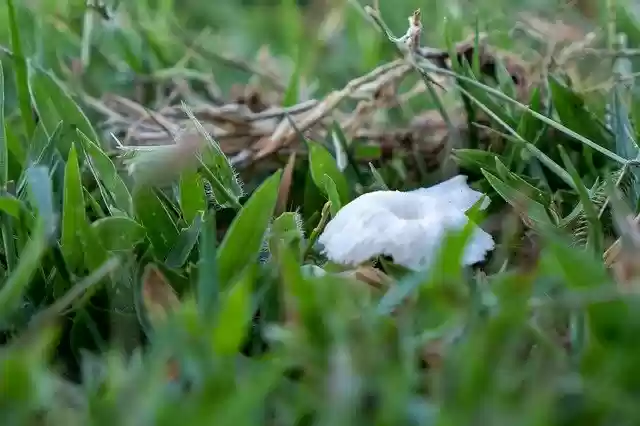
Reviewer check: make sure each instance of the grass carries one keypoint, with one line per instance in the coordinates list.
(166, 170)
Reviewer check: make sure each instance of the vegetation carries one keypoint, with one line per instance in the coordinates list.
(167, 168)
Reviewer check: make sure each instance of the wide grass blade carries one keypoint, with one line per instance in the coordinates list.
(245, 237)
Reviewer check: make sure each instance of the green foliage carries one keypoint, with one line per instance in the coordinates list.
(327, 177)
(171, 285)
(246, 235)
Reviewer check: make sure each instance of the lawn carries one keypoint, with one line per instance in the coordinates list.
(322, 212)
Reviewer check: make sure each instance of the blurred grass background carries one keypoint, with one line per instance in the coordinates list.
(331, 39)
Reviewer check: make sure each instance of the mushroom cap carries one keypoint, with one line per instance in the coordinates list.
(408, 226)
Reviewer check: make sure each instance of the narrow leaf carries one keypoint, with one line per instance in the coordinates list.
(234, 318)
(73, 213)
(187, 240)
(20, 71)
(158, 297)
(208, 281)
(105, 173)
(321, 163)
(245, 236)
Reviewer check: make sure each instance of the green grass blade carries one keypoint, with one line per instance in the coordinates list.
(322, 164)
(534, 210)
(6, 225)
(544, 159)
(73, 213)
(187, 240)
(192, 197)
(234, 317)
(12, 290)
(245, 236)
(595, 241)
(159, 224)
(54, 103)
(216, 160)
(4, 153)
(208, 286)
(20, 71)
(552, 123)
(40, 193)
(105, 173)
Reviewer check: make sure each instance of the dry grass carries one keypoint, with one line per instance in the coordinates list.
(252, 124)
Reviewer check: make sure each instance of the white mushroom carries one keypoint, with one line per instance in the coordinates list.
(408, 226)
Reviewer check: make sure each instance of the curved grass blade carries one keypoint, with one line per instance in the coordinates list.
(216, 160)
(186, 242)
(322, 164)
(595, 242)
(159, 224)
(552, 123)
(106, 174)
(55, 104)
(534, 210)
(542, 157)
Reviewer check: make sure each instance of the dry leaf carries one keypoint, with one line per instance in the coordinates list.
(432, 354)
(173, 370)
(158, 297)
(373, 277)
(253, 123)
(553, 32)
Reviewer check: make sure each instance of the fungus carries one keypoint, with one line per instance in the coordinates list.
(408, 226)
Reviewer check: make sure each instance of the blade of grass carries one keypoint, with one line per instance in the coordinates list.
(6, 226)
(208, 284)
(377, 177)
(73, 213)
(341, 138)
(245, 236)
(187, 240)
(595, 241)
(4, 154)
(544, 159)
(20, 71)
(29, 261)
(106, 175)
